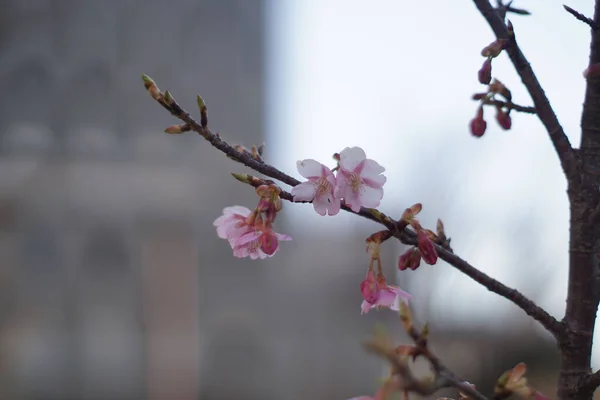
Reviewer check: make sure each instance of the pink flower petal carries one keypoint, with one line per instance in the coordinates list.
(334, 206)
(304, 191)
(309, 168)
(320, 205)
(372, 169)
(370, 197)
(365, 307)
(248, 238)
(282, 237)
(350, 157)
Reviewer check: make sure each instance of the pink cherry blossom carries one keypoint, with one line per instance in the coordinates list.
(359, 179)
(389, 296)
(233, 223)
(319, 188)
(258, 244)
(247, 236)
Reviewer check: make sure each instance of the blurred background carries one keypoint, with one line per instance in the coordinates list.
(113, 283)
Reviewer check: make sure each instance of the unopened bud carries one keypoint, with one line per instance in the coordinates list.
(268, 243)
(410, 259)
(494, 49)
(426, 247)
(203, 111)
(151, 87)
(485, 72)
(478, 124)
(176, 129)
(503, 119)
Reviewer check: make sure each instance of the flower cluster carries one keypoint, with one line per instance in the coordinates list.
(478, 125)
(374, 289)
(250, 233)
(411, 258)
(358, 182)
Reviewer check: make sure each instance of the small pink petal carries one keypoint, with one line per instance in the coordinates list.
(304, 191)
(282, 237)
(309, 168)
(320, 205)
(365, 307)
(248, 238)
(370, 197)
(350, 157)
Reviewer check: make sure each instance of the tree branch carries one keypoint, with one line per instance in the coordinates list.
(544, 110)
(405, 235)
(581, 17)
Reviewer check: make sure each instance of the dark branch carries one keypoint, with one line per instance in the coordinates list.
(581, 17)
(589, 383)
(544, 110)
(511, 106)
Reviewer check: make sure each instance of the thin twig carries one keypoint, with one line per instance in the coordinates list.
(581, 17)
(511, 106)
(544, 110)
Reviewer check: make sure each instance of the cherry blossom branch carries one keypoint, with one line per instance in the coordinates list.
(404, 234)
(545, 112)
(409, 237)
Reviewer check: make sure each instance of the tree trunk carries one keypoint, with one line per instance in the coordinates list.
(584, 244)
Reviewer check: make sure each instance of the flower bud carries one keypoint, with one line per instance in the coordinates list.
(426, 247)
(410, 259)
(485, 72)
(478, 124)
(503, 119)
(494, 49)
(369, 288)
(268, 242)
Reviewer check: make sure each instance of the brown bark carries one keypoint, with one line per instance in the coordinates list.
(584, 245)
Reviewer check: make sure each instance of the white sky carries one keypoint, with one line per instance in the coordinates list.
(395, 77)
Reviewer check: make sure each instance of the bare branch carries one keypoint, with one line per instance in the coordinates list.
(581, 17)
(544, 110)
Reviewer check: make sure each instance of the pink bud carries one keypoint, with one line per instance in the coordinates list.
(411, 258)
(426, 247)
(494, 49)
(369, 288)
(503, 119)
(268, 243)
(485, 73)
(478, 124)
